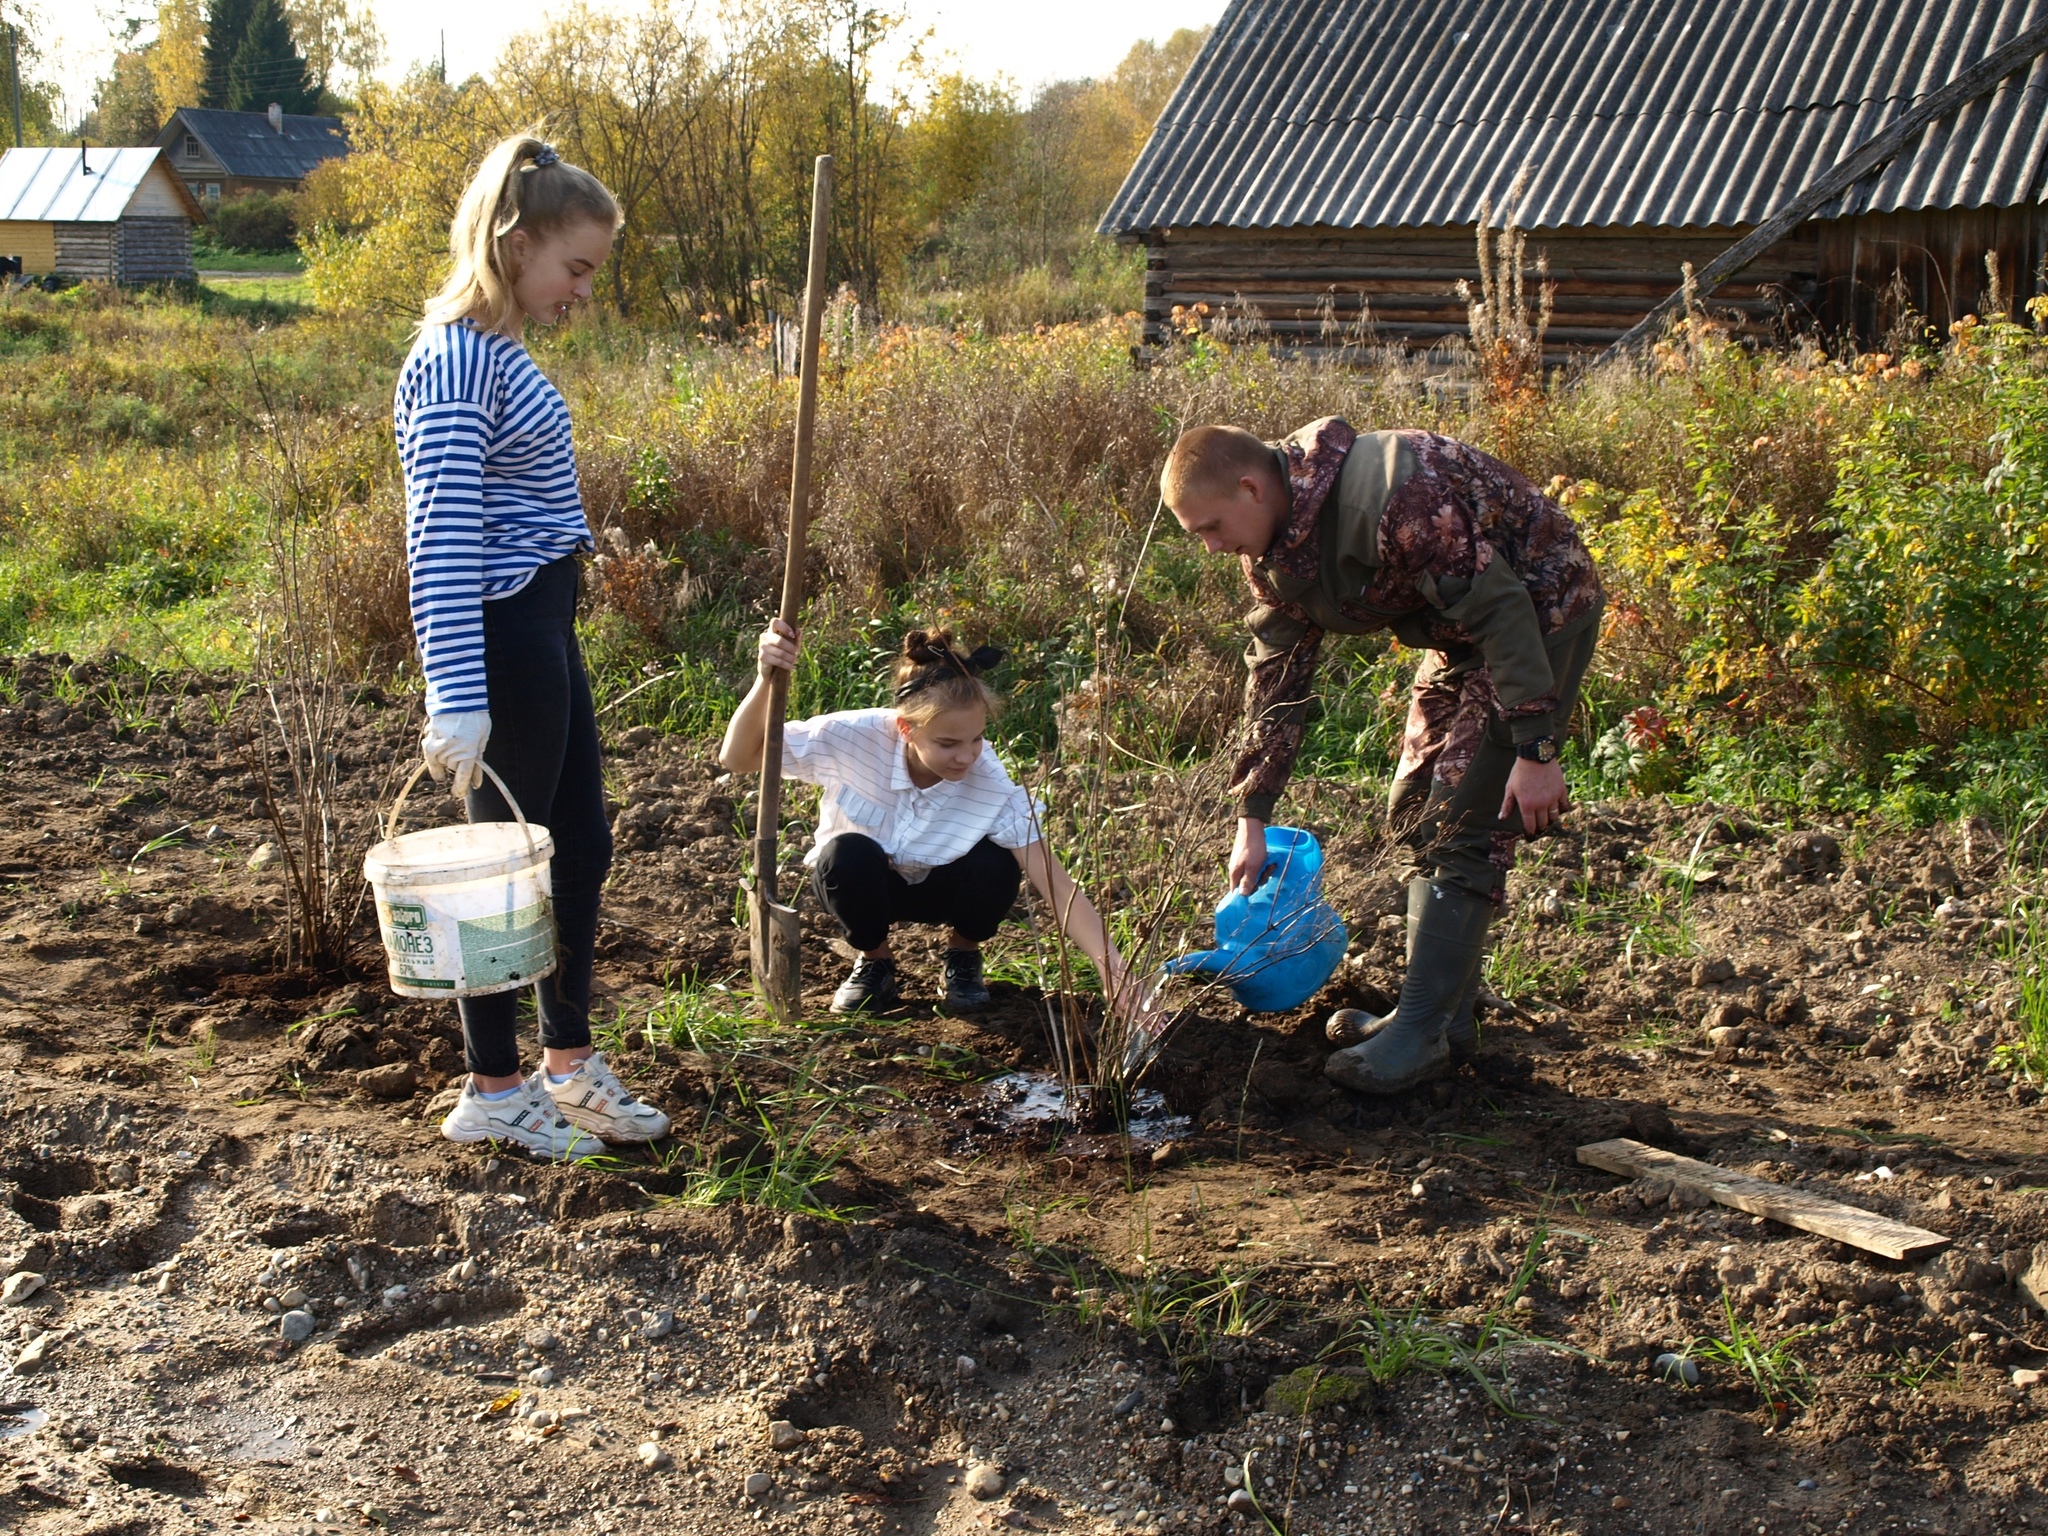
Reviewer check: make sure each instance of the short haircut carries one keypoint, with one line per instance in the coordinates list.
(1211, 460)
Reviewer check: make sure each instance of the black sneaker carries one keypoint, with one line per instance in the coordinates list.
(870, 989)
(965, 990)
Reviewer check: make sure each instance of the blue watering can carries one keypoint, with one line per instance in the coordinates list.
(1276, 946)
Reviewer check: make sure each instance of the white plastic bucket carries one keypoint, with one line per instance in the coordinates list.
(465, 910)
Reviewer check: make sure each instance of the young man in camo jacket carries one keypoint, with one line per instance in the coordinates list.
(1462, 558)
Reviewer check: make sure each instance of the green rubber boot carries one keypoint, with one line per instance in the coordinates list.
(1446, 949)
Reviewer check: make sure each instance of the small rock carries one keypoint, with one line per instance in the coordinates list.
(964, 1366)
(659, 1326)
(984, 1481)
(1727, 1034)
(784, 1436)
(1678, 1369)
(758, 1484)
(2026, 1379)
(36, 1356)
(122, 1175)
(394, 1080)
(1619, 1501)
(542, 1376)
(273, 1306)
(264, 856)
(653, 1457)
(291, 1300)
(147, 923)
(297, 1326)
(19, 1287)
(540, 1338)
(1242, 1501)
(394, 1294)
(465, 1272)
(1710, 973)
(1233, 1475)
(322, 1515)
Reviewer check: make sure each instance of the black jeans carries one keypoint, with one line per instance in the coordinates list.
(858, 886)
(544, 746)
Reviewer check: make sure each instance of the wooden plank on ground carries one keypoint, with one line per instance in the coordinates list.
(1760, 1197)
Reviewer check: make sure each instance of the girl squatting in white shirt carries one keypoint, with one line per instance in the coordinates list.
(919, 822)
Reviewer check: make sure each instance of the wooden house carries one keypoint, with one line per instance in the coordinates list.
(1324, 159)
(224, 155)
(115, 215)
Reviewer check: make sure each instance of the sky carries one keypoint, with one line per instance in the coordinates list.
(1029, 43)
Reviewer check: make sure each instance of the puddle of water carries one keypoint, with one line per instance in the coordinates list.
(1038, 1098)
(17, 1419)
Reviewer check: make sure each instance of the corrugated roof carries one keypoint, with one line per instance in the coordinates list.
(1362, 113)
(246, 145)
(52, 184)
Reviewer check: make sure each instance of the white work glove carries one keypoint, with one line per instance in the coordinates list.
(453, 745)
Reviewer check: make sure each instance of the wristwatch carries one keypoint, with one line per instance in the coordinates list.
(1542, 750)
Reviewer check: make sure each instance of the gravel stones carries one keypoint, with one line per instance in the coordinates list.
(758, 1484)
(653, 1457)
(984, 1481)
(659, 1325)
(1241, 1501)
(785, 1436)
(964, 1367)
(540, 1338)
(19, 1287)
(297, 1326)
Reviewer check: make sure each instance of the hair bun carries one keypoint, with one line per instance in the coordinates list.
(928, 648)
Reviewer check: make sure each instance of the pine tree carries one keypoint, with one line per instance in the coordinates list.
(268, 66)
(227, 23)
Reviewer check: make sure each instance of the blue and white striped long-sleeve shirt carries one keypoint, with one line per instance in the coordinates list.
(490, 493)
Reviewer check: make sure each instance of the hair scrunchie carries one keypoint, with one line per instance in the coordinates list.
(546, 156)
(941, 663)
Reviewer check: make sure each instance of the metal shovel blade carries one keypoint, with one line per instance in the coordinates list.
(776, 940)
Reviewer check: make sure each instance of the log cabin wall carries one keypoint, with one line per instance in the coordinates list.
(1307, 288)
(1873, 266)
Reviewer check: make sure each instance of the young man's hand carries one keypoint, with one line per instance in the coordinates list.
(1538, 792)
(1248, 859)
(776, 650)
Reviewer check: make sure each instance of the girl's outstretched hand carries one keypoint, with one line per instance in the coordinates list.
(776, 650)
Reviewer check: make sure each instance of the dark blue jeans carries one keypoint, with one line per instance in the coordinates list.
(544, 746)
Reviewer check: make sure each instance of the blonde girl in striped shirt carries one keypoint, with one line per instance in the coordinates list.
(919, 822)
(494, 523)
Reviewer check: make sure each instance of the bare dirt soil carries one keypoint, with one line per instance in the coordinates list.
(195, 1141)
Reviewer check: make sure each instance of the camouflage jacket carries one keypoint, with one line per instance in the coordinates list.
(1420, 534)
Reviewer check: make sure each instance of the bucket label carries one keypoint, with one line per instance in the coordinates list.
(507, 946)
(405, 914)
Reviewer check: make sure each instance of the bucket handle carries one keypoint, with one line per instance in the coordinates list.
(391, 821)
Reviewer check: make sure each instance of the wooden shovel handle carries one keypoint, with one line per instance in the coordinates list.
(770, 813)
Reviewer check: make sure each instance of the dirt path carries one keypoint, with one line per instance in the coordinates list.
(193, 1144)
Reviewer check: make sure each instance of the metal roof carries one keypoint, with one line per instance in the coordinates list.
(52, 184)
(246, 145)
(1373, 113)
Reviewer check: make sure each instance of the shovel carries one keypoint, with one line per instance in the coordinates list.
(774, 935)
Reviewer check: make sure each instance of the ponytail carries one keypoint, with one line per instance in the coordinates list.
(522, 184)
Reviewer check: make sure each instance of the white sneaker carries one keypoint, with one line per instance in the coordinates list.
(595, 1099)
(527, 1118)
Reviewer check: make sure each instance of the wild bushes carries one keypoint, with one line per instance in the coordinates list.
(1826, 577)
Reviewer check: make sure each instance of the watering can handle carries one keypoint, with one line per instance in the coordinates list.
(391, 821)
